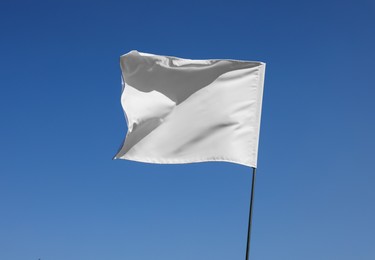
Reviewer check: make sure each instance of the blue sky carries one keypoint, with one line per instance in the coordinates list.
(61, 195)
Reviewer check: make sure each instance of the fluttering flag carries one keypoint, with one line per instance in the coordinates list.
(185, 111)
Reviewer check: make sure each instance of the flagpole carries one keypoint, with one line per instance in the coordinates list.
(250, 214)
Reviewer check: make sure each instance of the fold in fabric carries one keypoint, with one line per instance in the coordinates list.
(185, 111)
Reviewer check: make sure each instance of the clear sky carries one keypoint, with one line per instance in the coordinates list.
(63, 198)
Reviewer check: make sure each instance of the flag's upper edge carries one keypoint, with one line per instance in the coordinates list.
(196, 60)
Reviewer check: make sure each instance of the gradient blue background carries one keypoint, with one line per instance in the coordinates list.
(61, 195)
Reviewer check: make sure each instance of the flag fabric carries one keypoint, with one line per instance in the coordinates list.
(185, 111)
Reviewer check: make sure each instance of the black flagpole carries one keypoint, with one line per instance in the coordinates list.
(250, 215)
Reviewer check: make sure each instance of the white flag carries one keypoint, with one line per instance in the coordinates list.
(185, 111)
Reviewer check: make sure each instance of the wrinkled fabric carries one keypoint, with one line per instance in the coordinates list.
(185, 111)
